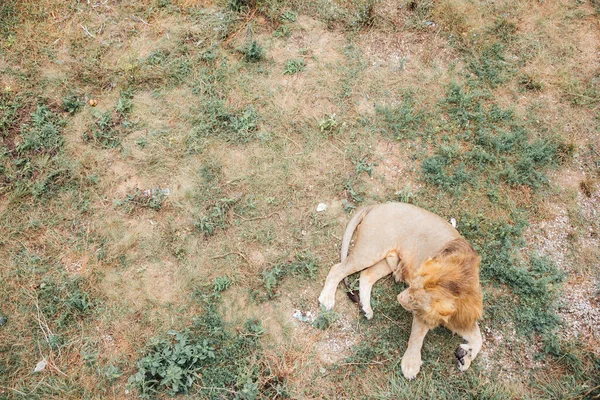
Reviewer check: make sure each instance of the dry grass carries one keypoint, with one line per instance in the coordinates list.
(145, 268)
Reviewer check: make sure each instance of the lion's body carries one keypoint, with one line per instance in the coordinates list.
(413, 233)
(422, 249)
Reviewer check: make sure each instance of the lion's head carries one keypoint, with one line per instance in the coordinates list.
(445, 289)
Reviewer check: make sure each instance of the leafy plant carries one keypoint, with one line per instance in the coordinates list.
(288, 16)
(125, 103)
(294, 66)
(172, 364)
(284, 31)
(240, 5)
(253, 52)
(221, 284)
(363, 165)
(72, 104)
(216, 216)
(328, 123)
(325, 319)
(104, 132)
(43, 134)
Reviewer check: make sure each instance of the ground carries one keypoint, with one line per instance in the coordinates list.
(162, 163)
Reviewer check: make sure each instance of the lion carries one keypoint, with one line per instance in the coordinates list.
(423, 250)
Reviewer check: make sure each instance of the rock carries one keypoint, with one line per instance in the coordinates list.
(303, 316)
(40, 366)
(321, 207)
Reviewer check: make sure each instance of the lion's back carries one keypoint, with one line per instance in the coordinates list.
(415, 233)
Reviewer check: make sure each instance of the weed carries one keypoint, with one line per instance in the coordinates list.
(216, 119)
(216, 216)
(364, 165)
(356, 195)
(288, 16)
(72, 104)
(172, 364)
(329, 123)
(534, 280)
(209, 359)
(105, 132)
(294, 66)
(325, 319)
(125, 103)
(583, 92)
(530, 83)
(494, 147)
(421, 11)
(305, 264)
(64, 302)
(405, 195)
(404, 122)
(284, 31)
(240, 5)
(44, 134)
(221, 284)
(9, 109)
(364, 16)
(491, 64)
(253, 52)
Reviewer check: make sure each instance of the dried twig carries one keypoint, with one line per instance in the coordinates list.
(237, 253)
(257, 218)
(87, 31)
(136, 18)
(367, 363)
(14, 390)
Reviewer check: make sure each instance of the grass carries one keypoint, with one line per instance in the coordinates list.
(159, 180)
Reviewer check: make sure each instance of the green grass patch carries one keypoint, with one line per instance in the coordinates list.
(31, 160)
(110, 127)
(304, 264)
(215, 119)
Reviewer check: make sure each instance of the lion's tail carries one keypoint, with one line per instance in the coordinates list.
(350, 228)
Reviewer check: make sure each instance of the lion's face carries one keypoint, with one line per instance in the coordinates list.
(432, 293)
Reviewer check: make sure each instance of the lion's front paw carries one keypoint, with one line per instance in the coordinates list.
(411, 365)
(463, 356)
(327, 300)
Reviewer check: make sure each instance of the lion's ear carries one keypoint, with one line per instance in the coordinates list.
(445, 309)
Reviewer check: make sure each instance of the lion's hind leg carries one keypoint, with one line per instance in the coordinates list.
(338, 272)
(368, 277)
(466, 352)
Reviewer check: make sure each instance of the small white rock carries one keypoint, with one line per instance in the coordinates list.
(40, 366)
(321, 207)
(453, 222)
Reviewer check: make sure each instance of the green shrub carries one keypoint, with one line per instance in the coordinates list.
(43, 134)
(72, 104)
(253, 52)
(172, 364)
